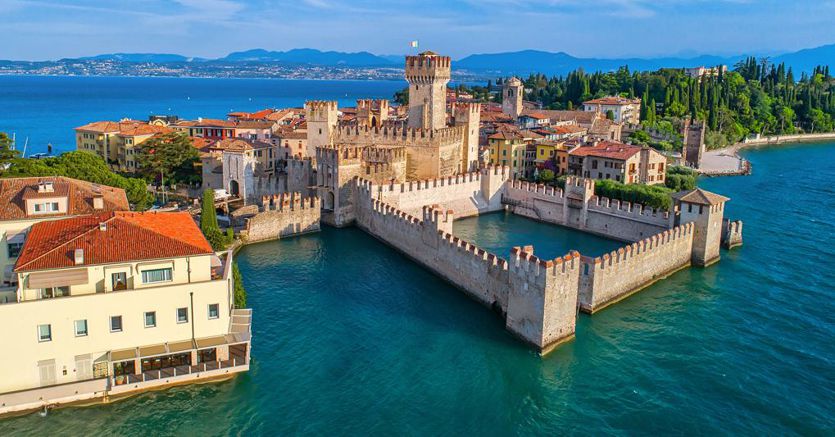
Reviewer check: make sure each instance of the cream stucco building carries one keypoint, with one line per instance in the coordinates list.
(117, 302)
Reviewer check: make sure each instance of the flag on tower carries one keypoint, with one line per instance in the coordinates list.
(413, 44)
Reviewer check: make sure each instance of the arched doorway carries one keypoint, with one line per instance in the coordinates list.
(329, 201)
(234, 189)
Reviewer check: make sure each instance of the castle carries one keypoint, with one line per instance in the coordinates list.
(405, 183)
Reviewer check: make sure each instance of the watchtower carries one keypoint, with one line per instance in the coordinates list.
(469, 115)
(705, 210)
(372, 113)
(512, 93)
(321, 117)
(694, 143)
(428, 74)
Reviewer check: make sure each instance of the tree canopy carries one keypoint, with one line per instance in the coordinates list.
(169, 156)
(86, 166)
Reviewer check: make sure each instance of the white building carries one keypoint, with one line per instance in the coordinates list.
(625, 110)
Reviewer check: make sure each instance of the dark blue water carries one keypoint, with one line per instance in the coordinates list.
(352, 338)
(46, 109)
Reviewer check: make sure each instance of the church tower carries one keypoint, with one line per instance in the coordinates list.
(512, 93)
(428, 74)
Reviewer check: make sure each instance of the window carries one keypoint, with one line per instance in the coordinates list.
(81, 328)
(119, 281)
(51, 292)
(182, 315)
(46, 207)
(150, 319)
(594, 164)
(14, 249)
(116, 324)
(44, 333)
(156, 275)
(214, 311)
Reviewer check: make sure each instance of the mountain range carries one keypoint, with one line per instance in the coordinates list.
(491, 64)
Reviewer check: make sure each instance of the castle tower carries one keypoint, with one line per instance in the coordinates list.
(321, 117)
(705, 210)
(427, 74)
(694, 143)
(372, 113)
(512, 93)
(469, 115)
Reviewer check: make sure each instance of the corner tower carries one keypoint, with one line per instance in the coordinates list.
(321, 117)
(705, 210)
(512, 93)
(428, 74)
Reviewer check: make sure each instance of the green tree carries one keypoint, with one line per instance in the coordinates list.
(86, 166)
(240, 291)
(7, 154)
(161, 155)
(208, 221)
(546, 176)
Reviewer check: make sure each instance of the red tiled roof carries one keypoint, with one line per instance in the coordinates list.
(608, 149)
(612, 100)
(129, 236)
(124, 128)
(80, 194)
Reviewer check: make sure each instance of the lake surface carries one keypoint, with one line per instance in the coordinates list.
(46, 109)
(352, 338)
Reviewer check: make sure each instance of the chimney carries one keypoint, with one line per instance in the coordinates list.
(79, 256)
(103, 226)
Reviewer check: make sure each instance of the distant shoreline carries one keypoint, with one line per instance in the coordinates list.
(728, 162)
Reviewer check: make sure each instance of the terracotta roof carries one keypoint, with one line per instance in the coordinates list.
(536, 115)
(80, 194)
(612, 100)
(206, 122)
(254, 124)
(700, 197)
(506, 135)
(201, 143)
(581, 117)
(128, 236)
(238, 145)
(280, 115)
(123, 128)
(608, 149)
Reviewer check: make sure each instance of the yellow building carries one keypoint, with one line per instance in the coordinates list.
(26, 201)
(508, 148)
(118, 302)
(116, 141)
(555, 151)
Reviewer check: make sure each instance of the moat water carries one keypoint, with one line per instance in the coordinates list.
(352, 338)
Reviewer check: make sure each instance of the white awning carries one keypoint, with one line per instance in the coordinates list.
(57, 278)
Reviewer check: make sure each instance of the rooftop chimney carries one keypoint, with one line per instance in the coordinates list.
(103, 226)
(79, 256)
(46, 187)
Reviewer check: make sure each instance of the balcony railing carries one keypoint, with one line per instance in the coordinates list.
(178, 371)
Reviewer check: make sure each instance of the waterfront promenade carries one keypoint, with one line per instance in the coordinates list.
(727, 162)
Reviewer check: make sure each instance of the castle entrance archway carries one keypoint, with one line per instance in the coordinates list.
(234, 188)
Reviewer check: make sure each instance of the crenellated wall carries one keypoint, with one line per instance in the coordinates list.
(609, 278)
(542, 297)
(579, 208)
(731, 233)
(539, 297)
(468, 194)
(284, 215)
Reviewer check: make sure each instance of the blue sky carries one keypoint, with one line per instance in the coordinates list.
(51, 29)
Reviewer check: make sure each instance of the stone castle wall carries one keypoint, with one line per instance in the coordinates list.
(609, 278)
(284, 215)
(467, 194)
(599, 215)
(731, 233)
(538, 297)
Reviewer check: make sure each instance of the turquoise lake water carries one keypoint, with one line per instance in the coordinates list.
(352, 338)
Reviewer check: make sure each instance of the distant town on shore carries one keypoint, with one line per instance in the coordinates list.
(316, 64)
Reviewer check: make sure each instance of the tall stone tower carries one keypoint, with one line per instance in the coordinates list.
(512, 93)
(705, 210)
(469, 115)
(372, 113)
(694, 143)
(427, 74)
(321, 117)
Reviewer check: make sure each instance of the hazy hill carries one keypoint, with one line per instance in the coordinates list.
(308, 56)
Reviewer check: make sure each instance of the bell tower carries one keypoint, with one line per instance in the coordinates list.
(428, 74)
